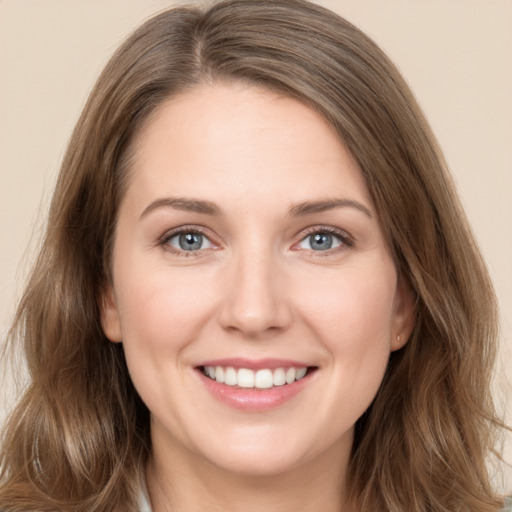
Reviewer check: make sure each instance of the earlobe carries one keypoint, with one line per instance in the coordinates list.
(398, 342)
(405, 315)
(109, 315)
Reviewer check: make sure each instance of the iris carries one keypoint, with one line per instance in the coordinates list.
(320, 241)
(190, 241)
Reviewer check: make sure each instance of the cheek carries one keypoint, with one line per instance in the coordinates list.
(355, 309)
(354, 320)
(161, 308)
(161, 314)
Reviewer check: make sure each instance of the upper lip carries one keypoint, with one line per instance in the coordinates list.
(254, 364)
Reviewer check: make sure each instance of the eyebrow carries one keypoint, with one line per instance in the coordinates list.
(209, 208)
(185, 204)
(310, 207)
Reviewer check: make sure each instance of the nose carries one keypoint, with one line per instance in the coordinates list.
(255, 301)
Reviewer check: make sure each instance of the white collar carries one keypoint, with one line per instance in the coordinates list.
(144, 505)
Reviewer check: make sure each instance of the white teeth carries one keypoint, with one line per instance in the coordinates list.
(279, 377)
(230, 377)
(261, 379)
(264, 379)
(219, 374)
(245, 378)
(291, 373)
(301, 372)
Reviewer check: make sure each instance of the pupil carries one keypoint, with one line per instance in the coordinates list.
(191, 241)
(321, 241)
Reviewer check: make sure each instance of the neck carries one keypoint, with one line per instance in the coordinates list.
(192, 484)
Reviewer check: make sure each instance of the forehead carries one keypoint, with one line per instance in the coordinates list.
(237, 140)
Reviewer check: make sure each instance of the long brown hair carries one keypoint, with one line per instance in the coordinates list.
(79, 437)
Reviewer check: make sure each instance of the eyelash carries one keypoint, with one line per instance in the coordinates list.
(169, 235)
(346, 240)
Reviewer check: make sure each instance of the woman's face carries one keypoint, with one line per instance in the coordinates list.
(253, 291)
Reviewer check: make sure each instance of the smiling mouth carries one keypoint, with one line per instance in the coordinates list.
(264, 378)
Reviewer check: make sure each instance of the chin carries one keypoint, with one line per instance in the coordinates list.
(256, 463)
(258, 454)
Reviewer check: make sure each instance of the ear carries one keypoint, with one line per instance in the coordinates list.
(110, 315)
(405, 315)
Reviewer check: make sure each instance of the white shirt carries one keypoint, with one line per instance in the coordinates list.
(144, 505)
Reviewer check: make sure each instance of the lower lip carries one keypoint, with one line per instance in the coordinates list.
(252, 399)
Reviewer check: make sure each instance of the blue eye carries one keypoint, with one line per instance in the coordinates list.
(321, 241)
(189, 241)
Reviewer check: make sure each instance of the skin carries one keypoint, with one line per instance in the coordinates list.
(255, 289)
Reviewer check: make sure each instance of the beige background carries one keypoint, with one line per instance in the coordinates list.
(456, 54)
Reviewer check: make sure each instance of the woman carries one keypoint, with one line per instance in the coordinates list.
(257, 289)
